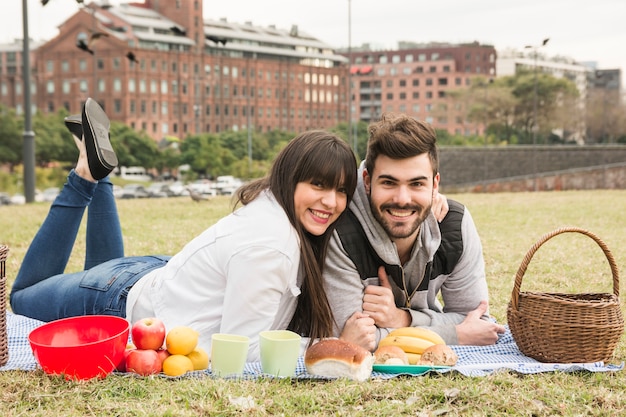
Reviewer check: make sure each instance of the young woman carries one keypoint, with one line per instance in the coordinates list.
(246, 273)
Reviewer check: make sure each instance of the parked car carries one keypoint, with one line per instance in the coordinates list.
(5, 199)
(49, 194)
(178, 188)
(159, 190)
(134, 191)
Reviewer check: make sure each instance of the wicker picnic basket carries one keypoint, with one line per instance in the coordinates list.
(4, 347)
(566, 328)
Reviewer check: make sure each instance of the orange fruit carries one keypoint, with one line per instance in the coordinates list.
(176, 365)
(181, 340)
(199, 358)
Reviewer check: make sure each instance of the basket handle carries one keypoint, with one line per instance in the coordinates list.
(545, 238)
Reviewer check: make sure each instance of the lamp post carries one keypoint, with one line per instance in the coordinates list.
(534, 125)
(28, 150)
(350, 78)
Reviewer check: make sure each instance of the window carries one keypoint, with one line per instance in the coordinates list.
(116, 63)
(117, 105)
(416, 95)
(429, 81)
(402, 96)
(382, 59)
(442, 81)
(100, 63)
(66, 87)
(408, 58)
(395, 59)
(65, 66)
(117, 85)
(50, 66)
(101, 86)
(82, 65)
(416, 82)
(432, 68)
(50, 87)
(402, 83)
(389, 96)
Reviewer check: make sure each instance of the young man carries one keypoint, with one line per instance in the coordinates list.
(390, 258)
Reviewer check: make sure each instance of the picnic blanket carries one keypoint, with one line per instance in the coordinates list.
(474, 361)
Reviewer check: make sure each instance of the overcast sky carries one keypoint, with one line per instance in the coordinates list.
(584, 30)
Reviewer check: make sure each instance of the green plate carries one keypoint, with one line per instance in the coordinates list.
(407, 369)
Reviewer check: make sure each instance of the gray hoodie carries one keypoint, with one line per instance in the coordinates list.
(448, 297)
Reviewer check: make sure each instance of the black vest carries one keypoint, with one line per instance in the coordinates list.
(367, 261)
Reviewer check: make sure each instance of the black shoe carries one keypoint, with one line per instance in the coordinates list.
(100, 154)
(74, 125)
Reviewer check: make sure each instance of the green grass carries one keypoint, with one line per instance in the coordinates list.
(509, 225)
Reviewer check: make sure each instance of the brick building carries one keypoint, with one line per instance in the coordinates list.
(416, 79)
(159, 66)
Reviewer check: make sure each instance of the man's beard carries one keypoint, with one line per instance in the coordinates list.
(399, 230)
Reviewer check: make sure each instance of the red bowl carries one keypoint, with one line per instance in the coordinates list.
(80, 347)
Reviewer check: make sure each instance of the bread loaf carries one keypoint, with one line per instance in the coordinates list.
(391, 355)
(339, 359)
(439, 355)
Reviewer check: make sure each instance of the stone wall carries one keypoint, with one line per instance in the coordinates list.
(528, 168)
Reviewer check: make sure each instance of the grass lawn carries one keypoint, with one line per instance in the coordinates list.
(509, 225)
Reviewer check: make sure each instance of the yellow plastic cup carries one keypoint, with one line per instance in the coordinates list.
(229, 353)
(280, 350)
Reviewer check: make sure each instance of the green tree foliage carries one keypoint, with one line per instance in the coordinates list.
(134, 148)
(206, 155)
(10, 138)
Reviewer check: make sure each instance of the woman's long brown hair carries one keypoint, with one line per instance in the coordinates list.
(311, 156)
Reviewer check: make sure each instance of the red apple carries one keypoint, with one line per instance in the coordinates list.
(122, 365)
(143, 362)
(148, 333)
(163, 354)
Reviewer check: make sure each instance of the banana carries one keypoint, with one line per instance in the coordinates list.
(414, 358)
(419, 332)
(407, 343)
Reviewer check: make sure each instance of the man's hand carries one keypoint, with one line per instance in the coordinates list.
(475, 331)
(440, 206)
(360, 329)
(379, 304)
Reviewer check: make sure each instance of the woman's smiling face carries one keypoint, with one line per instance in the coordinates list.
(317, 206)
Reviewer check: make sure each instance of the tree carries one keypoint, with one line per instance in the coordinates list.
(551, 94)
(134, 148)
(10, 138)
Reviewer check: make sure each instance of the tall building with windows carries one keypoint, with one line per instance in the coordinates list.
(159, 66)
(416, 79)
(11, 79)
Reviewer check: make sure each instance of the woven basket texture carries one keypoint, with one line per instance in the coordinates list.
(4, 347)
(566, 328)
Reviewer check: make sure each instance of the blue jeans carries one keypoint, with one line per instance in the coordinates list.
(43, 291)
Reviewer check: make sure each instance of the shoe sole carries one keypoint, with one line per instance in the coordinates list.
(100, 154)
(74, 124)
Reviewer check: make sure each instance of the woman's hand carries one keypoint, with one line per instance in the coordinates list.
(440, 206)
(360, 330)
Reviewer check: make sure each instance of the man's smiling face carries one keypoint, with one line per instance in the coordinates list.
(401, 193)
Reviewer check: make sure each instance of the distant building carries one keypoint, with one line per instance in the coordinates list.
(159, 66)
(587, 79)
(416, 78)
